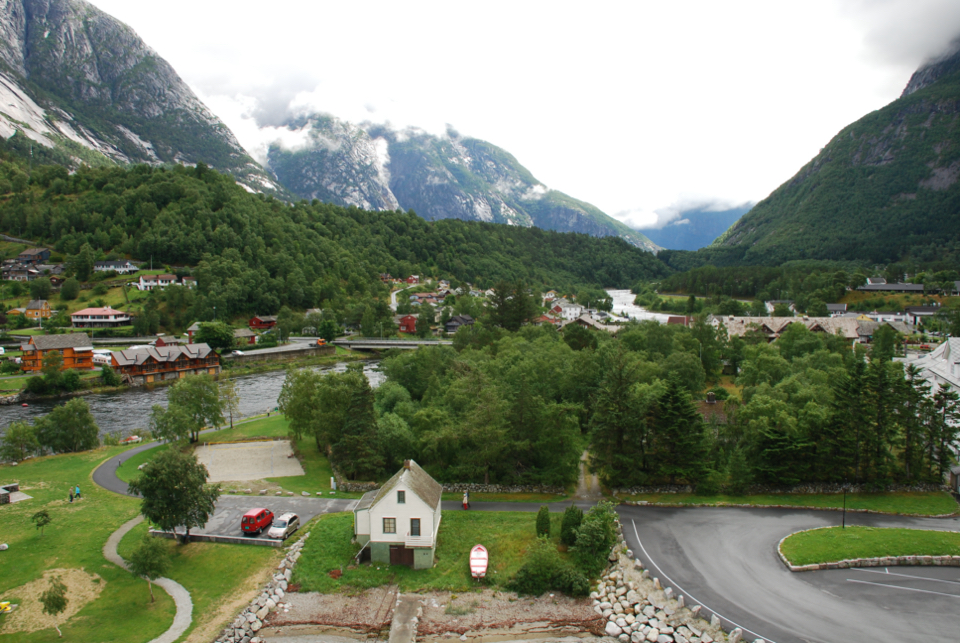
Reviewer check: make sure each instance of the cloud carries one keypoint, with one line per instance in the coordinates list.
(641, 219)
(906, 33)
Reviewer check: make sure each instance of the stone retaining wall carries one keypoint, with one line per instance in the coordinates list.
(245, 627)
(212, 538)
(682, 505)
(884, 561)
(812, 488)
(460, 487)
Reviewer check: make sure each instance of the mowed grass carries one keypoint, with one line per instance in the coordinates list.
(506, 535)
(75, 540)
(924, 504)
(835, 543)
(211, 572)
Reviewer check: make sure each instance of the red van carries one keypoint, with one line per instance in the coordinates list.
(256, 520)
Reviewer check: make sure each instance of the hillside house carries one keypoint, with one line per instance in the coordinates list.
(837, 310)
(17, 271)
(917, 314)
(585, 321)
(262, 322)
(407, 323)
(149, 282)
(147, 364)
(772, 327)
(413, 279)
(34, 255)
(35, 310)
(76, 349)
(244, 337)
(566, 310)
(119, 267)
(399, 522)
(99, 318)
(456, 322)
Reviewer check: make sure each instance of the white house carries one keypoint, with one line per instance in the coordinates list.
(566, 310)
(400, 520)
(149, 282)
(119, 267)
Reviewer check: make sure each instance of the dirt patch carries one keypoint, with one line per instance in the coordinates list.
(249, 460)
(366, 612)
(82, 588)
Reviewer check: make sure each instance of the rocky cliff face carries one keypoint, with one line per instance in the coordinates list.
(84, 80)
(933, 71)
(438, 177)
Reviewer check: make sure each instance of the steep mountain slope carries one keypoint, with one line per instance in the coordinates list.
(886, 187)
(438, 177)
(74, 79)
(695, 229)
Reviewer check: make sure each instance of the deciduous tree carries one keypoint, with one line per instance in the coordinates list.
(150, 560)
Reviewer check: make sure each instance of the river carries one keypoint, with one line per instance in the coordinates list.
(129, 409)
(623, 305)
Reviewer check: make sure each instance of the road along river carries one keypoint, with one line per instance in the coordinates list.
(129, 409)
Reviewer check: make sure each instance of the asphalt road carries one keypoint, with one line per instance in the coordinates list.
(230, 509)
(725, 559)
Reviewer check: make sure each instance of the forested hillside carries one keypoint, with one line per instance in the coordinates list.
(253, 253)
(884, 189)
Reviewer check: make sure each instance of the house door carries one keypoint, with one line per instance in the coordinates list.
(400, 555)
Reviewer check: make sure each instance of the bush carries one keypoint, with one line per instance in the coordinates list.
(595, 538)
(111, 439)
(36, 385)
(709, 484)
(70, 289)
(544, 570)
(109, 377)
(9, 367)
(572, 518)
(70, 381)
(543, 521)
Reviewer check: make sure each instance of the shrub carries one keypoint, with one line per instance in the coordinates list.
(70, 381)
(109, 377)
(709, 484)
(572, 518)
(543, 521)
(36, 385)
(100, 289)
(595, 538)
(111, 439)
(70, 289)
(544, 570)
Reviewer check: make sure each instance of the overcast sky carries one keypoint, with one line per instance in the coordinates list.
(641, 108)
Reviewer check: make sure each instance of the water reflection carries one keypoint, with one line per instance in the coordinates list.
(129, 409)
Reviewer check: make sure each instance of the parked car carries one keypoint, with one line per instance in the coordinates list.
(284, 526)
(237, 353)
(2, 350)
(255, 521)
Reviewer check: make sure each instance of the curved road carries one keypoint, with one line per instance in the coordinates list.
(726, 560)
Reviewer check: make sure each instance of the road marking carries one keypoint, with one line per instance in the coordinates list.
(907, 589)
(889, 573)
(687, 594)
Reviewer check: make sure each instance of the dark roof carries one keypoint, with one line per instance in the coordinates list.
(59, 342)
(417, 480)
(915, 310)
(884, 287)
(137, 356)
(33, 251)
(876, 280)
(266, 318)
(837, 308)
(36, 304)
(243, 332)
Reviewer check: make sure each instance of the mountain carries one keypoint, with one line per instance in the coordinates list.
(695, 228)
(86, 88)
(884, 189)
(438, 177)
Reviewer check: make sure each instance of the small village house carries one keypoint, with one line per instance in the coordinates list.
(34, 255)
(149, 282)
(76, 349)
(147, 364)
(35, 310)
(99, 318)
(119, 267)
(399, 522)
(244, 337)
(262, 322)
(456, 322)
(407, 323)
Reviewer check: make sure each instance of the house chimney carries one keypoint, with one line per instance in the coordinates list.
(406, 464)
(711, 398)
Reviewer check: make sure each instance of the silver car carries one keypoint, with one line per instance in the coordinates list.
(283, 526)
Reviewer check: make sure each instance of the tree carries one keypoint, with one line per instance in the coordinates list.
(216, 335)
(19, 441)
(82, 262)
(572, 518)
(678, 434)
(171, 423)
(782, 310)
(543, 521)
(40, 288)
(230, 399)
(425, 320)
(286, 323)
(885, 342)
(595, 537)
(739, 475)
(578, 338)
(150, 560)
(110, 377)
(328, 329)
(199, 398)
(54, 601)
(68, 428)
(175, 492)
(357, 453)
(512, 305)
(368, 324)
(52, 370)
(70, 289)
(41, 519)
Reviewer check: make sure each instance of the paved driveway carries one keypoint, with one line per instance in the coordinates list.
(230, 509)
(726, 560)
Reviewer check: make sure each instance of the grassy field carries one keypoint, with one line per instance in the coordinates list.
(834, 543)
(506, 536)
(210, 572)
(74, 540)
(925, 504)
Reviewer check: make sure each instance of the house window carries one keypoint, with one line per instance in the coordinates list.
(401, 497)
(414, 526)
(389, 525)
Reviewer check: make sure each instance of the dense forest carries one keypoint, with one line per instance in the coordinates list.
(255, 254)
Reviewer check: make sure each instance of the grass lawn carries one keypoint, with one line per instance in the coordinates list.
(74, 540)
(211, 572)
(926, 504)
(834, 543)
(506, 535)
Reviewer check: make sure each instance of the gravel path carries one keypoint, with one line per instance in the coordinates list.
(179, 594)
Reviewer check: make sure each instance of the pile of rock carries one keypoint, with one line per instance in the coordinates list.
(245, 627)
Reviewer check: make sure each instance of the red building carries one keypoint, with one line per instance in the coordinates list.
(408, 324)
(263, 322)
(413, 279)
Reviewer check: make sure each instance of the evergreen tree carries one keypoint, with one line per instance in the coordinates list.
(739, 475)
(914, 421)
(358, 452)
(543, 521)
(944, 429)
(572, 518)
(424, 320)
(678, 435)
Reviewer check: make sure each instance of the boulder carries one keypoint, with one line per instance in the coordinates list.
(706, 638)
(668, 592)
(633, 597)
(612, 629)
(714, 621)
(735, 636)
(618, 608)
(664, 638)
(305, 493)
(262, 613)
(653, 634)
(606, 605)
(263, 492)
(623, 638)
(256, 625)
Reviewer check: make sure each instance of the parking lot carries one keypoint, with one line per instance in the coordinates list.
(249, 460)
(230, 509)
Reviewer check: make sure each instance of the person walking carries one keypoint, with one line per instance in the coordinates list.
(71, 495)
(76, 492)
(465, 505)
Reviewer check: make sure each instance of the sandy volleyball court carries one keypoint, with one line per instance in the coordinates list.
(82, 587)
(249, 460)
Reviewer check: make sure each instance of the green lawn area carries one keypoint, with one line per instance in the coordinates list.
(506, 535)
(209, 571)
(925, 504)
(75, 540)
(834, 543)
